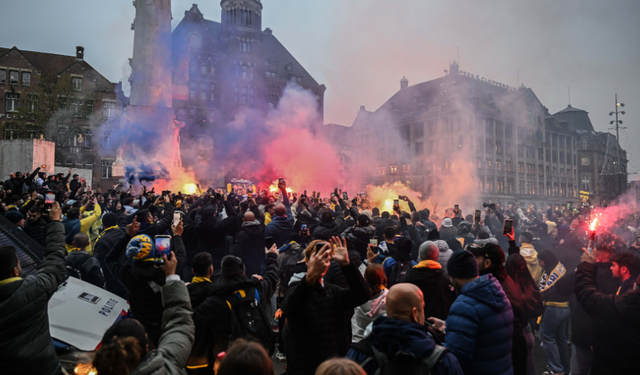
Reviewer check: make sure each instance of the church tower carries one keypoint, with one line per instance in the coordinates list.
(241, 14)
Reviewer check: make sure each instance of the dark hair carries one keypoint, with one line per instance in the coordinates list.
(390, 232)
(123, 346)
(8, 261)
(517, 269)
(14, 198)
(127, 201)
(375, 277)
(201, 264)
(375, 211)
(36, 209)
(385, 215)
(526, 237)
(244, 206)
(268, 207)
(73, 213)
(632, 262)
(142, 215)
(81, 240)
(247, 358)
(339, 366)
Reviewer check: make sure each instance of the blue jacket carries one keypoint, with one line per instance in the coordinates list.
(479, 328)
(280, 227)
(389, 262)
(390, 336)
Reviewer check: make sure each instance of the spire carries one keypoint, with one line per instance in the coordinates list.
(404, 83)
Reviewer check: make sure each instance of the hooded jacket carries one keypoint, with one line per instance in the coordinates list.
(249, 246)
(436, 288)
(212, 231)
(328, 228)
(480, 327)
(177, 334)
(106, 241)
(445, 254)
(367, 313)
(359, 236)
(75, 226)
(37, 230)
(531, 256)
(280, 227)
(616, 324)
(390, 336)
(25, 342)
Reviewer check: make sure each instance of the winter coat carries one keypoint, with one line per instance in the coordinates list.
(316, 319)
(249, 246)
(37, 230)
(417, 236)
(367, 313)
(436, 288)
(161, 226)
(177, 334)
(87, 268)
(448, 233)
(212, 231)
(143, 282)
(443, 258)
(326, 229)
(390, 336)
(581, 322)
(106, 241)
(75, 226)
(616, 324)
(360, 237)
(25, 342)
(280, 227)
(479, 328)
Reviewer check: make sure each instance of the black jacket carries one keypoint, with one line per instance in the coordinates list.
(249, 246)
(316, 319)
(143, 282)
(359, 236)
(436, 288)
(82, 265)
(212, 231)
(25, 342)
(581, 322)
(616, 324)
(326, 229)
(37, 230)
(106, 241)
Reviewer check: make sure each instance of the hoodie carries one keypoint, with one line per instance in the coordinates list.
(390, 336)
(531, 256)
(430, 277)
(479, 328)
(367, 313)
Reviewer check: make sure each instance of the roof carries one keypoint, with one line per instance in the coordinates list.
(575, 118)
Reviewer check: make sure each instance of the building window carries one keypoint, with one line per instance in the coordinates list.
(107, 166)
(12, 102)
(76, 107)
(561, 157)
(521, 151)
(10, 131)
(541, 188)
(508, 148)
(499, 164)
(498, 147)
(88, 105)
(489, 146)
(500, 186)
(540, 153)
(531, 168)
(13, 77)
(76, 83)
(419, 130)
(479, 163)
(32, 103)
(203, 68)
(406, 168)
(3, 76)
(489, 164)
(584, 143)
(108, 109)
(394, 169)
(32, 132)
(521, 187)
(26, 78)
(585, 161)
(540, 170)
(508, 165)
(520, 167)
(203, 95)
(88, 163)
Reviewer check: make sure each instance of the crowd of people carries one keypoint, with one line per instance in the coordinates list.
(328, 286)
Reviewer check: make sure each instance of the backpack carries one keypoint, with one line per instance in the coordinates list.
(87, 268)
(399, 271)
(403, 362)
(292, 253)
(248, 320)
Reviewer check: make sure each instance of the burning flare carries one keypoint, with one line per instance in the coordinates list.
(594, 223)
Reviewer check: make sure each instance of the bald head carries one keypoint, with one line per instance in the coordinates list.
(405, 302)
(249, 216)
(281, 210)
(81, 241)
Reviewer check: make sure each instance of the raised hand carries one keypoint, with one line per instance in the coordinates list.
(132, 229)
(339, 253)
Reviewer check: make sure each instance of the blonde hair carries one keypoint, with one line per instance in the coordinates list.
(339, 366)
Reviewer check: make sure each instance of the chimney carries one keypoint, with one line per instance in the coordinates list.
(79, 53)
(404, 83)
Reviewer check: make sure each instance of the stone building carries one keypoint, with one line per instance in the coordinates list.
(602, 182)
(222, 68)
(62, 99)
(339, 137)
(519, 152)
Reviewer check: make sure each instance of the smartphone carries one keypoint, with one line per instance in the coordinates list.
(48, 201)
(508, 226)
(457, 206)
(476, 216)
(333, 195)
(373, 242)
(319, 246)
(269, 242)
(396, 202)
(304, 227)
(344, 196)
(166, 192)
(177, 215)
(280, 181)
(163, 246)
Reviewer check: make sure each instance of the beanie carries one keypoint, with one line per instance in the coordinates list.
(462, 265)
(14, 216)
(231, 266)
(489, 250)
(484, 233)
(109, 220)
(140, 247)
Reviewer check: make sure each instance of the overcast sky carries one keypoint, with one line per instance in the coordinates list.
(360, 49)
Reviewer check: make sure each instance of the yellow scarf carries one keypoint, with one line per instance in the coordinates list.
(200, 279)
(10, 280)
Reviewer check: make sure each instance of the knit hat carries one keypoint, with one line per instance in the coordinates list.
(462, 265)
(483, 234)
(447, 222)
(231, 266)
(14, 216)
(109, 220)
(442, 245)
(140, 247)
(489, 250)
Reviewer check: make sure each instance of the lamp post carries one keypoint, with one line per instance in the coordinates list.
(617, 122)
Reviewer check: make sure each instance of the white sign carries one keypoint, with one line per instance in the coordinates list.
(80, 313)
